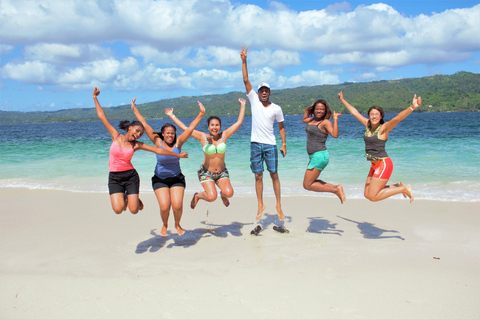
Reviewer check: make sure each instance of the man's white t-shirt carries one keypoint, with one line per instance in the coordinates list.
(263, 119)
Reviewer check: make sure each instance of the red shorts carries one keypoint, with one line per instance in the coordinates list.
(381, 169)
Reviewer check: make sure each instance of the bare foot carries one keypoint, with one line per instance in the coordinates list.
(225, 200)
(340, 193)
(180, 231)
(194, 201)
(140, 205)
(163, 233)
(260, 211)
(400, 184)
(408, 192)
(281, 216)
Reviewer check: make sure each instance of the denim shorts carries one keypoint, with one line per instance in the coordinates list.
(318, 160)
(260, 152)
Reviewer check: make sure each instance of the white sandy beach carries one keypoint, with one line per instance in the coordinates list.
(66, 255)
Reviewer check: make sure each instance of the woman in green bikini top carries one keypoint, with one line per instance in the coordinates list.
(213, 170)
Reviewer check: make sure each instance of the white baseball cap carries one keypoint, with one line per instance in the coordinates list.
(263, 84)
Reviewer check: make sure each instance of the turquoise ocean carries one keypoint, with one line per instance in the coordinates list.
(437, 153)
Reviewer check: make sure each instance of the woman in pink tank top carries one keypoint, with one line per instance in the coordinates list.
(123, 180)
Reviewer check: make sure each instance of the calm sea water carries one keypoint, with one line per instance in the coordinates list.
(438, 153)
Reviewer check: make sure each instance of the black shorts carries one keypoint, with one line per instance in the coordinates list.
(177, 181)
(124, 181)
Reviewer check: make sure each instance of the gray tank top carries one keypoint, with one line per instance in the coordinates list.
(315, 139)
(374, 147)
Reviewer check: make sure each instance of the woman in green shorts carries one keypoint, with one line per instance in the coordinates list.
(318, 128)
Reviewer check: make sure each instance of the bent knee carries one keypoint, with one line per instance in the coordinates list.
(211, 197)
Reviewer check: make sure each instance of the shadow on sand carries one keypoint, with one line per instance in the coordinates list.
(369, 230)
(190, 238)
(323, 226)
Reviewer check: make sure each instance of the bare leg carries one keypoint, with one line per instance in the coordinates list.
(176, 196)
(259, 191)
(226, 190)
(310, 182)
(278, 195)
(376, 190)
(209, 194)
(134, 203)
(164, 202)
(118, 202)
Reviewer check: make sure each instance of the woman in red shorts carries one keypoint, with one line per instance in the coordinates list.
(375, 138)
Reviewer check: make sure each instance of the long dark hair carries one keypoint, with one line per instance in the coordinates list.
(379, 109)
(167, 125)
(311, 109)
(125, 124)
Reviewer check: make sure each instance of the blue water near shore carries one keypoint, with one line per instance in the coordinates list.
(438, 153)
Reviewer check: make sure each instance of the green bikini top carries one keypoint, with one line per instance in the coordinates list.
(212, 149)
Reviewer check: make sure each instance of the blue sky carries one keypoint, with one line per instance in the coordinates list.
(53, 53)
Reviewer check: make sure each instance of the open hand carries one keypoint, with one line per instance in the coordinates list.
(337, 114)
(133, 102)
(169, 112)
(202, 108)
(242, 101)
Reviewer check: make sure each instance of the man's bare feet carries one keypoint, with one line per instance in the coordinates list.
(225, 200)
(180, 231)
(281, 216)
(194, 201)
(408, 192)
(260, 211)
(163, 233)
(340, 193)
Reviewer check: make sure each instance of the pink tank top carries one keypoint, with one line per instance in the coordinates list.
(120, 158)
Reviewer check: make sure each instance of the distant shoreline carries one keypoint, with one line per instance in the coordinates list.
(446, 93)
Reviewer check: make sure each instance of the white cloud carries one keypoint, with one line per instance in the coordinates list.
(166, 45)
(6, 49)
(65, 54)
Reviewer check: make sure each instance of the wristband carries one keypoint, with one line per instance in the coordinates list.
(202, 113)
(284, 144)
(335, 118)
(411, 108)
(173, 116)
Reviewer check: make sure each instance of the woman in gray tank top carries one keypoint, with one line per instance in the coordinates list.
(318, 127)
(375, 138)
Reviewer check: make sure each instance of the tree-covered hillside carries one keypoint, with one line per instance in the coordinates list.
(458, 92)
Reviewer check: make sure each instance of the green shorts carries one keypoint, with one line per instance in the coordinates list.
(318, 160)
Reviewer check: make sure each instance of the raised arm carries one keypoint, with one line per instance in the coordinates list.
(306, 117)
(150, 132)
(160, 151)
(101, 115)
(196, 134)
(248, 85)
(191, 128)
(333, 129)
(353, 110)
(234, 127)
(389, 125)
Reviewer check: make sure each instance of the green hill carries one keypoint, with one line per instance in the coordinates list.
(447, 93)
